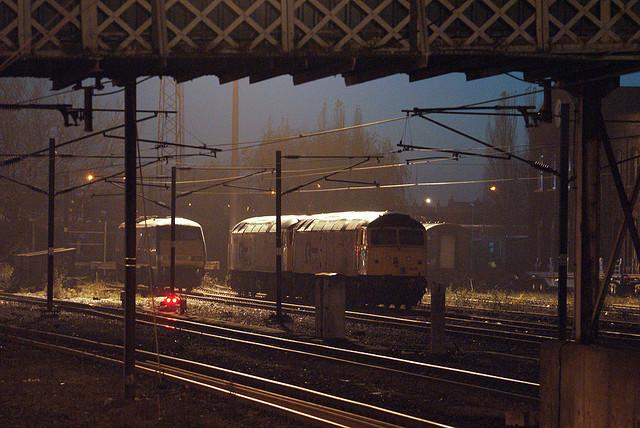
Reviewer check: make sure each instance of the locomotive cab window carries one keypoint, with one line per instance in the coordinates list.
(182, 233)
(411, 237)
(383, 237)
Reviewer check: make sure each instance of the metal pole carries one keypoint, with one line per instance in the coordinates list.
(50, 244)
(104, 242)
(174, 173)
(279, 234)
(130, 134)
(563, 257)
(234, 200)
(104, 251)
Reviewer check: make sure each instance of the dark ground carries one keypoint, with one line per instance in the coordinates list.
(45, 388)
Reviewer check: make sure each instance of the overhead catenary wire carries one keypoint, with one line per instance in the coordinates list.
(17, 159)
(389, 186)
(23, 184)
(99, 180)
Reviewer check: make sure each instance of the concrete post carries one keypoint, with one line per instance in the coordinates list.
(437, 318)
(330, 306)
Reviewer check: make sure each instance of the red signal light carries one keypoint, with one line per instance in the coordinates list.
(171, 299)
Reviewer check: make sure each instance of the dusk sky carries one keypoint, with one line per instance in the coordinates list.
(208, 114)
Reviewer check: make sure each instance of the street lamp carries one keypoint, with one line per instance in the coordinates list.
(427, 200)
(493, 188)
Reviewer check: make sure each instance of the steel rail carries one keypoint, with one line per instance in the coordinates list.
(499, 327)
(461, 377)
(308, 410)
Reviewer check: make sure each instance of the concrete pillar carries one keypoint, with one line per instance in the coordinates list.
(588, 386)
(437, 318)
(330, 306)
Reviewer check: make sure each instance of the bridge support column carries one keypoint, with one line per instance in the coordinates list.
(587, 208)
(584, 384)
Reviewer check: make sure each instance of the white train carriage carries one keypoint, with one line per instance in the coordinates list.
(448, 253)
(252, 253)
(154, 251)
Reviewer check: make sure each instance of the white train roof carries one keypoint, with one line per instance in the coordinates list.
(344, 220)
(429, 225)
(443, 225)
(265, 223)
(165, 221)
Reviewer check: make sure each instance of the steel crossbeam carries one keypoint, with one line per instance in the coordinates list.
(423, 38)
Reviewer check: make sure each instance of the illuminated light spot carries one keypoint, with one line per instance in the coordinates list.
(90, 177)
(493, 188)
(175, 300)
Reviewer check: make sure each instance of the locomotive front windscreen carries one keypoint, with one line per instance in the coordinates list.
(411, 237)
(183, 233)
(393, 236)
(384, 237)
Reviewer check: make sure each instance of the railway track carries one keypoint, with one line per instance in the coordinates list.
(303, 404)
(611, 311)
(488, 327)
(457, 377)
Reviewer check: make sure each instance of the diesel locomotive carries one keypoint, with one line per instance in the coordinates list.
(380, 255)
(154, 252)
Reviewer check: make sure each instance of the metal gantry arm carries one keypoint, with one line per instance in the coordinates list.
(325, 177)
(455, 153)
(534, 164)
(223, 183)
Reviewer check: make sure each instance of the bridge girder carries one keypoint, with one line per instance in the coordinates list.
(237, 38)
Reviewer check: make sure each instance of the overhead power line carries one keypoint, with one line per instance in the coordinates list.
(17, 159)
